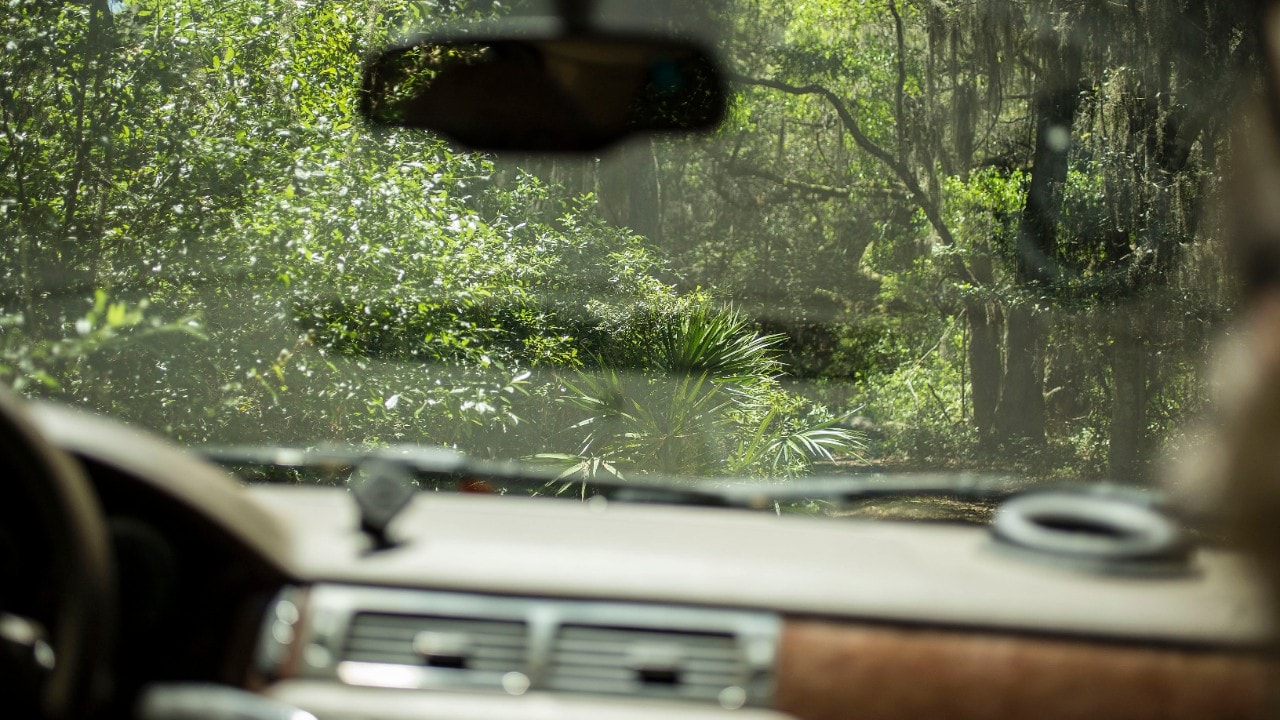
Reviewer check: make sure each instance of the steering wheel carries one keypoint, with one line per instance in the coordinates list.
(52, 504)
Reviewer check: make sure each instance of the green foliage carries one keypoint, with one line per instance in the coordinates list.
(783, 446)
(674, 427)
(716, 343)
(714, 407)
(201, 236)
(73, 365)
(285, 274)
(918, 400)
(876, 186)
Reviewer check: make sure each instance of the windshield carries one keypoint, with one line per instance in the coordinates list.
(980, 235)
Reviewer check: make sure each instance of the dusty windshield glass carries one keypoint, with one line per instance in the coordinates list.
(975, 235)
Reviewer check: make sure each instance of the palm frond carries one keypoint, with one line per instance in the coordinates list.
(721, 344)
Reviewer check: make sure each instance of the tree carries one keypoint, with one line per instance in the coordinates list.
(205, 238)
(870, 110)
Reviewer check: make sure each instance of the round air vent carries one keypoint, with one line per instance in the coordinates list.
(1093, 531)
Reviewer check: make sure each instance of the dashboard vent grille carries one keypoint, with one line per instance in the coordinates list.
(647, 662)
(429, 640)
(483, 645)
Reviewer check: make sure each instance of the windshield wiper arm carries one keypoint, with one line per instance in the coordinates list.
(441, 469)
(841, 489)
(435, 467)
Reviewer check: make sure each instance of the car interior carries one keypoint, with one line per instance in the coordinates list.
(150, 580)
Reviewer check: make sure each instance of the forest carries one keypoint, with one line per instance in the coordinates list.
(971, 234)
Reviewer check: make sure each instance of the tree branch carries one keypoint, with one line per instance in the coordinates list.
(739, 169)
(842, 111)
(900, 170)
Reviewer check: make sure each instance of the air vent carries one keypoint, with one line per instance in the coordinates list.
(643, 662)
(432, 640)
(441, 642)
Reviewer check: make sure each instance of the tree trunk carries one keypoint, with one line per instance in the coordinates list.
(984, 367)
(1021, 410)
(1128, 406)
(629, 191)
(1020, 414)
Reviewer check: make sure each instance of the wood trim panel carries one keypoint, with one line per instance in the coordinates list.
(833, 671)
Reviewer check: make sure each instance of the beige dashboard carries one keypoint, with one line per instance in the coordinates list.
(886, 571)
(871, 619)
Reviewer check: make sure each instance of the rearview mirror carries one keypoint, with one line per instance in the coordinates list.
(567, 94)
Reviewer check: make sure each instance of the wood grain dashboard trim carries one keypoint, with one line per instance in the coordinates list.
(830, 671)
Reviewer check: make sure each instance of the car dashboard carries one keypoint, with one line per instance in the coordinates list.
(493, 606)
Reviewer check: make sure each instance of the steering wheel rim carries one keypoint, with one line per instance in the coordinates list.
(72, 527)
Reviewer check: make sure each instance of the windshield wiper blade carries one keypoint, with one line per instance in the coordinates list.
(445, 469)
(841, 489)
(437, 468)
